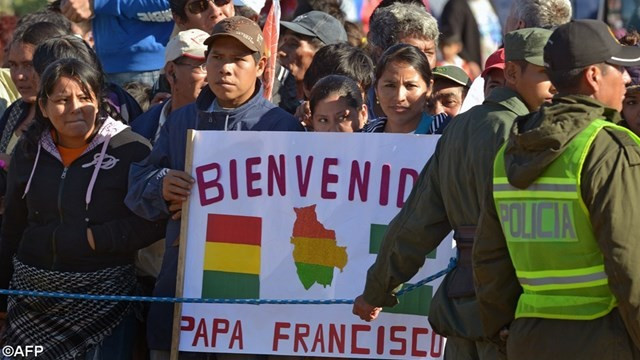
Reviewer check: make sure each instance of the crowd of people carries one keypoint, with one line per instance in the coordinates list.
(533, 172)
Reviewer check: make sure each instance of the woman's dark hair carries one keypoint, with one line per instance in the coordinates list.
(37, 33)
(340, 59)
(409, 55)
(91, 82)
(67, 46)
(46, 15)
(355, 35)
(70, 46)
(339, 85)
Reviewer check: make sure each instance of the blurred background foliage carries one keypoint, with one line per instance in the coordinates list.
(20, 7)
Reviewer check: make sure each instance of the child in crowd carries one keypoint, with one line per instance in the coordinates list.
(450, 47)
(337, 105)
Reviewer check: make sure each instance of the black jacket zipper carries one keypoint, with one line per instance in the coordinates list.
(53, 242)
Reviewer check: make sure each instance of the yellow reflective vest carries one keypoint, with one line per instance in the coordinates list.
(550, 237)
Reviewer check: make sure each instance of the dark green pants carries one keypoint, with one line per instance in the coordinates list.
(463, 349)
(549, 339)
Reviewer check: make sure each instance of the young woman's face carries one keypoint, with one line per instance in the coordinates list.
(22, 72)
(333, 114)
(631, 109)
(402, 93)
(72, 112)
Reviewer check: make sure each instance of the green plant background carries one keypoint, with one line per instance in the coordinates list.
(21, 7)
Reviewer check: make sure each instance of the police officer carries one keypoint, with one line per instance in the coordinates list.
(447, 196)
(557, 247)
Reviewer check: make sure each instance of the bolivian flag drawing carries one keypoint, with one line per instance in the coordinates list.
(416, 302)
(232, 257)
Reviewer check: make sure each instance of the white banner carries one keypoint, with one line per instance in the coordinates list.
(283, 215)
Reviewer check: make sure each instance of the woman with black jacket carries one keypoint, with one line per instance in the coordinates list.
(66, 227)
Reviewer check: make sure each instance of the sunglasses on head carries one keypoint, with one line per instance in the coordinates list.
(196, 7)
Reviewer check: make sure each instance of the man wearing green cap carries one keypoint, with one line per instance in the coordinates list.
(450, 86)
(556, 253)
(448, 197)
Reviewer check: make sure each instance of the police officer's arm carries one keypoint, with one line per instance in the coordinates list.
(497, 287)
(611, 191)
(417, 229)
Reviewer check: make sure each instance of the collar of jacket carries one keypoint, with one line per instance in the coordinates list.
(589, 105)
(109, 128)
(509, 99)
(206, 97)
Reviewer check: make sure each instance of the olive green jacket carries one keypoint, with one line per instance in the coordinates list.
(446, 196)
(609, 188)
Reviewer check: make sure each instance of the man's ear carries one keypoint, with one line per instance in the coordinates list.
(592, 77)
(261, 65)
(363, 116)
(512, 72)
(170, 72)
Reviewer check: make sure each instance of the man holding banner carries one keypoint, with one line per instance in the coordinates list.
(232, 101)
(448, 196)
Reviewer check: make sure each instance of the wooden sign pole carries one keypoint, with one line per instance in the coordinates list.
(182, 252)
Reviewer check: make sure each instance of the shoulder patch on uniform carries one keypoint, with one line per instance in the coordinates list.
(630, 146)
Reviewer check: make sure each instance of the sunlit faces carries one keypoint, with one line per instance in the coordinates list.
(72, 112)
(296, 53)
(402, 93)
(531, 83)
(612, 85)
(232, 71)
(447, 97)
(22, 73)
(631, 109)
(333, 114)
(206, 15)
(428, 47)
(493, 79)
(186, 77)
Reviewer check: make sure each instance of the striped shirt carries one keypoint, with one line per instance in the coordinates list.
(438, 124)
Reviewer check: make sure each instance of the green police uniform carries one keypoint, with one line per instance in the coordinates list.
(448, 196)
(550, 237)
(570, 287)
(575, 253)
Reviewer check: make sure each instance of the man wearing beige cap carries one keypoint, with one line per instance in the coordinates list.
(186, 73)
(448, 197)
(232, 101)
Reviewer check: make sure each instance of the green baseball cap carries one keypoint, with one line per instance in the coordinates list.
(453, 73)
(526, 44)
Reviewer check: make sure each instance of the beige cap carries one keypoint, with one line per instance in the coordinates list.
(189, 43)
